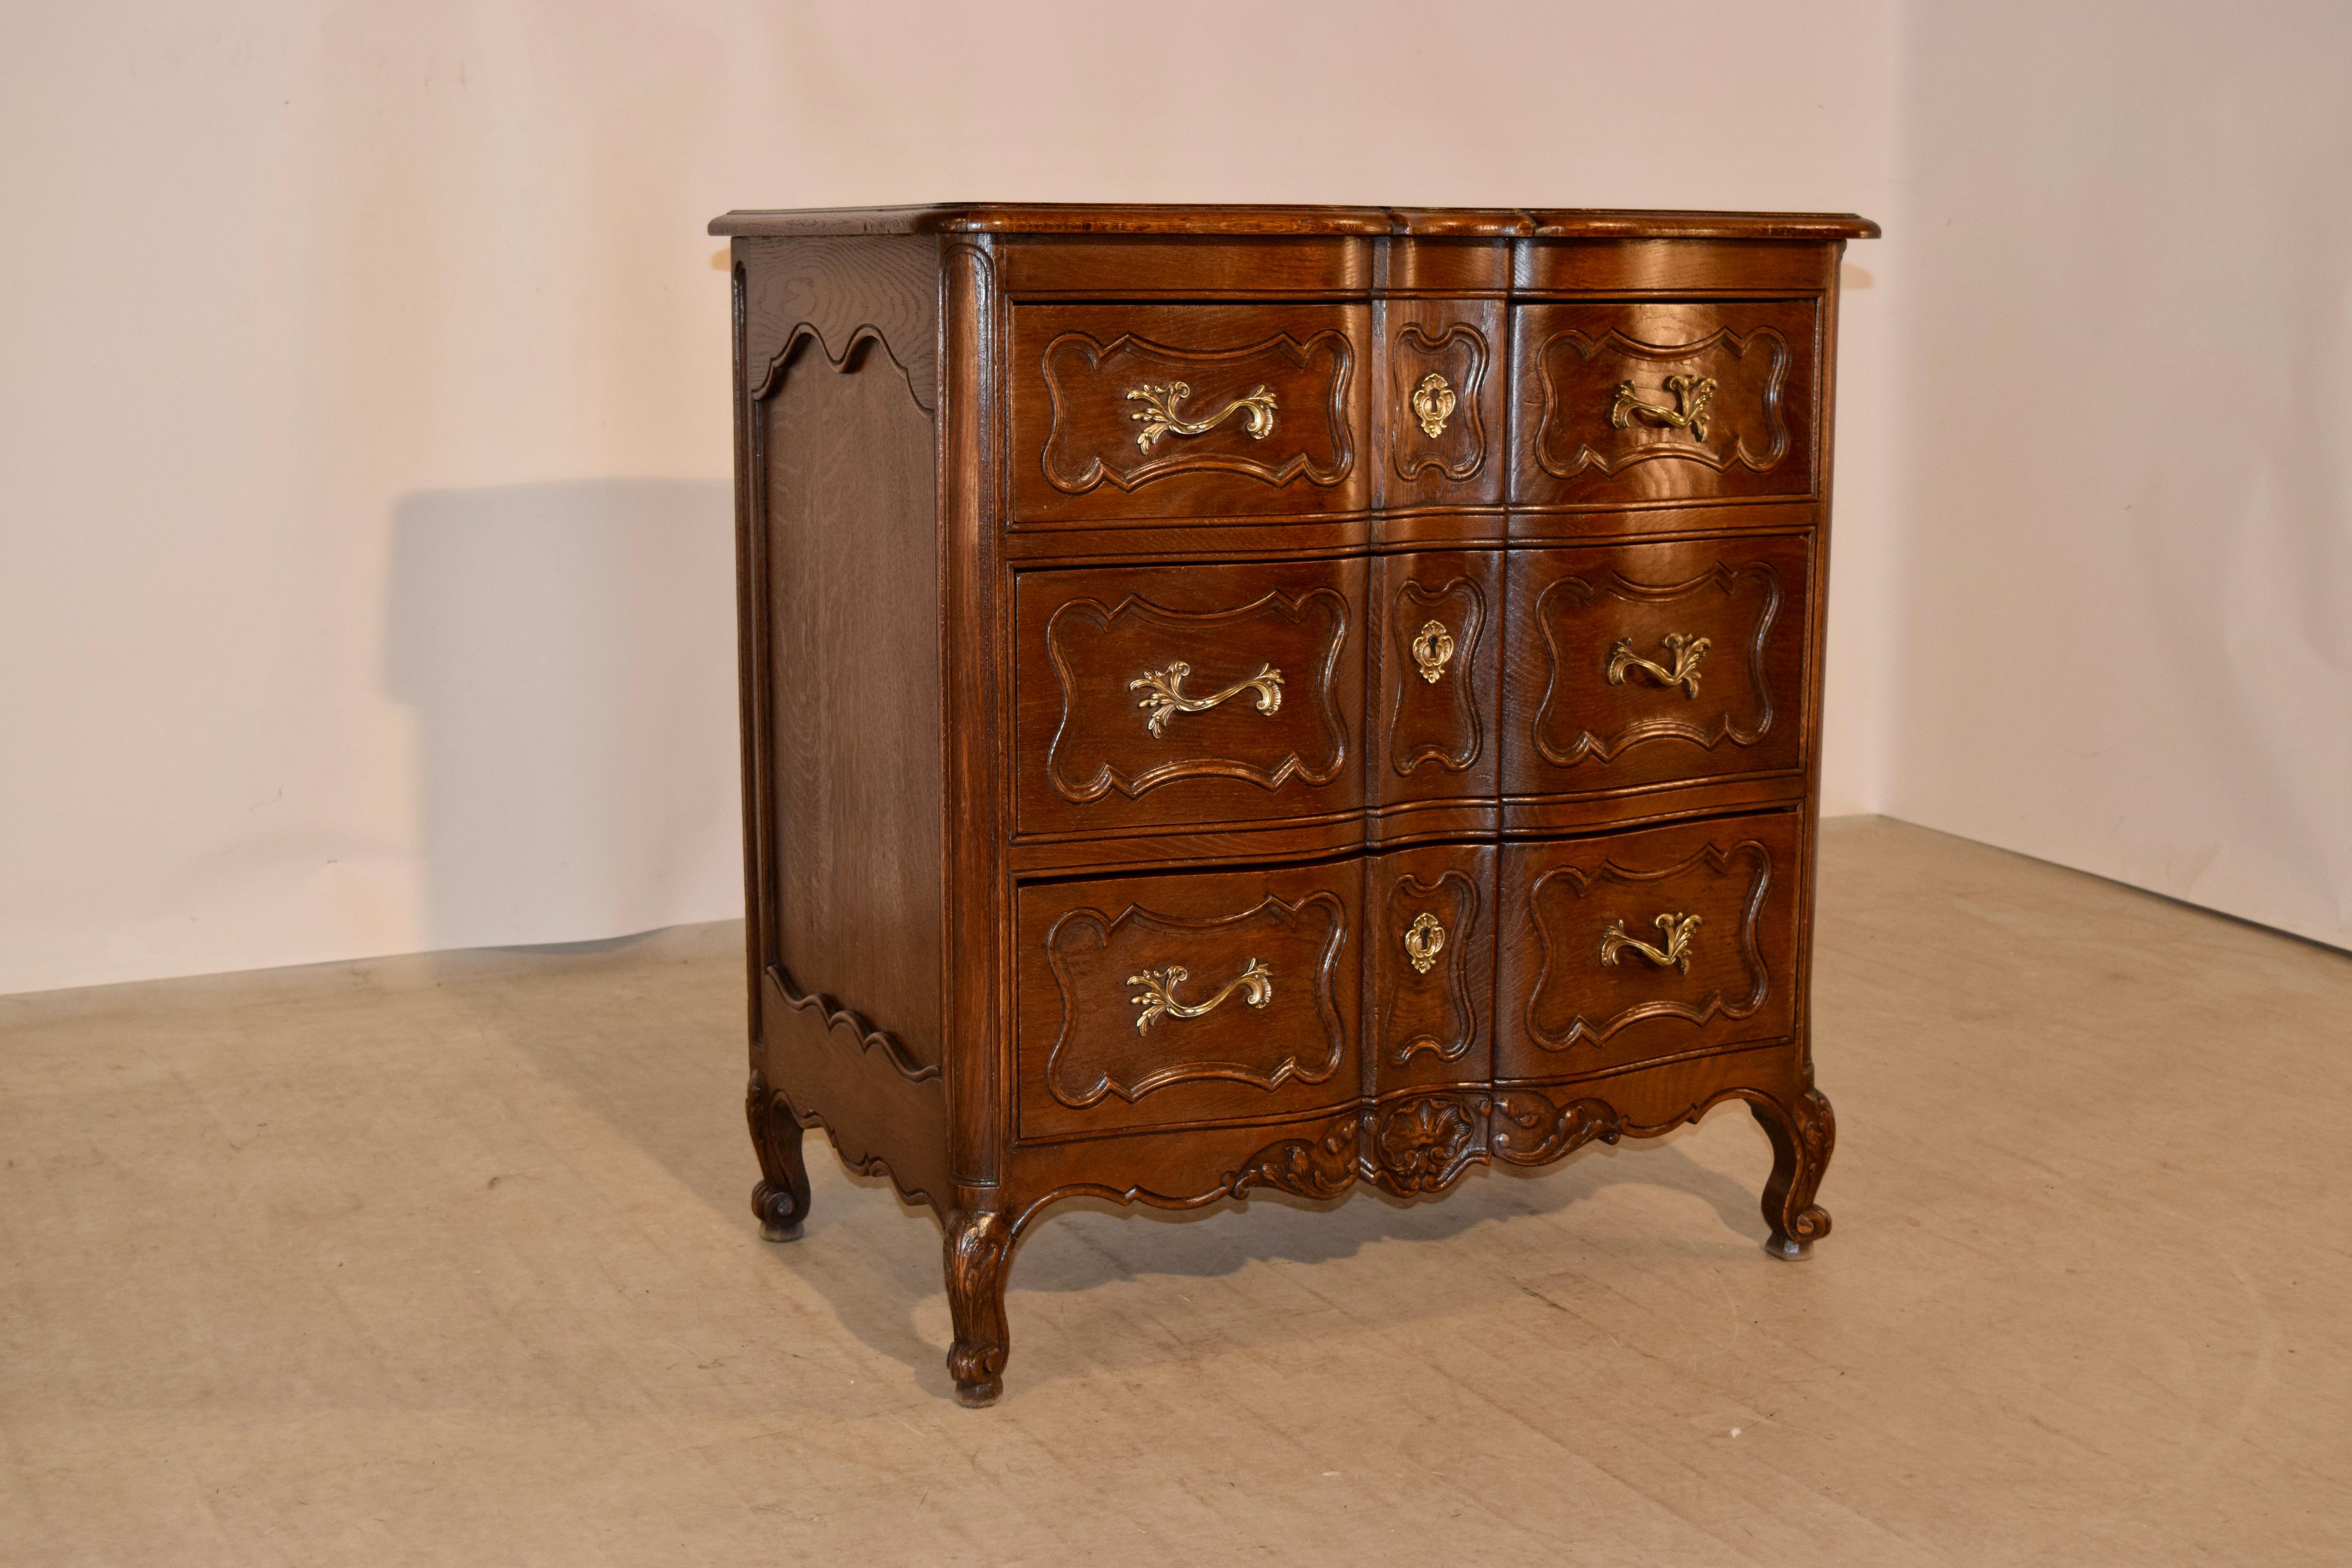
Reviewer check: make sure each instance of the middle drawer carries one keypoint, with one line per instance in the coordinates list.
(1189, 696)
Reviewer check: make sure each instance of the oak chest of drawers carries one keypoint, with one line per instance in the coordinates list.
(1275, 697)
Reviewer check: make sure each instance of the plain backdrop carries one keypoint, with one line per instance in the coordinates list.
(364, 533)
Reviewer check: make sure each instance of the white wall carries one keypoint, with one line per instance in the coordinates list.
(365, 558)
(2125, 577)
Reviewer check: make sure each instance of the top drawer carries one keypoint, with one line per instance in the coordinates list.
(1186, 411)
(1627, 403)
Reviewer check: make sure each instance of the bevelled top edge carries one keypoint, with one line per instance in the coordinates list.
(1436, 223)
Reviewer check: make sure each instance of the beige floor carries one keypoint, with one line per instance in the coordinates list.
(446, 1260)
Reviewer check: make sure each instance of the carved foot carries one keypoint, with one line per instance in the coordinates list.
(1803, 1135)
(979, 1244)
(782, 1198)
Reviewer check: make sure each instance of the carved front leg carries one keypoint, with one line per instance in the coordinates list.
(1802, 1134)
(978, 1245)
(781, 1198)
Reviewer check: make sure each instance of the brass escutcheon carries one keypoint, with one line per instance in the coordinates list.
(1433, 405)
(1433, 645)
(1424, 941)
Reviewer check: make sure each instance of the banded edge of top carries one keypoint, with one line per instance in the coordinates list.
(1256, 222)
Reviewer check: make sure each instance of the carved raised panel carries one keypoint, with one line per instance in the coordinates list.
(1436, 720)
(1200, 410)
(1657, 400)
(1432, 1012)
(1583, 619)
(1425, 1143)
(1657, 663)
(846, 296)
(1098, 961)
(1579, 996)
(1616, 401)
(1437, 425)
(1116, 734)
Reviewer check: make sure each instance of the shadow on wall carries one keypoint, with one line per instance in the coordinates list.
(570, 651)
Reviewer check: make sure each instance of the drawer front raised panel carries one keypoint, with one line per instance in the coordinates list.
(1632, 404)
(1646, 945)
(1184, 695)
(1186, 411)
(1159, 1001)
(1644, 664)
(1430, 947)
(1437, 653)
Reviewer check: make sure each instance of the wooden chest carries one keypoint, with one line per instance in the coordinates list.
(1244, 696)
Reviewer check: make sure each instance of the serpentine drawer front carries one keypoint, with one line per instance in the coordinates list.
(1275, 697)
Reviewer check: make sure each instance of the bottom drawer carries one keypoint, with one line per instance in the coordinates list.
(1170, 1000)
(1652, 943)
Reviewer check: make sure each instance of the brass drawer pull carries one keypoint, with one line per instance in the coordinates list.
(1432, 647)
(1433, 405)
(1692, 393)
(1163, 693)
(1159, 994)
(1678, 930)
(1683, 672)
(1159, 417)
(1424, 941)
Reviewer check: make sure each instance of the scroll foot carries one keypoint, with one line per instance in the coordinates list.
(780, 1200)
(978, 1246)
(1803, 1135)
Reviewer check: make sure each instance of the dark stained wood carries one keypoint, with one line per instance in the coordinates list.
(1646, 401)
(1108, 399)
(1115, 672)
(1032, 916)
(1573, 1004)
(1657, 663)
(1436, 640)
(1460, 456)
(1109, 971)
(1108, 218)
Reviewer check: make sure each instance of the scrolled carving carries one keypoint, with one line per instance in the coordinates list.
(780, 1199)
(1322, 1166)
(1424, 1144)
(1803, 1133)
(977, 1245)
(1527, 1129)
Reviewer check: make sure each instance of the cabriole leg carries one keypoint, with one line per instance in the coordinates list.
(1803, 1135)
(978, 1245)
(781, 1198)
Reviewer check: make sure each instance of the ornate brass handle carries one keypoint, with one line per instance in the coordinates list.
(1158, 998)
(1692, 393)
(1676, 954)
(1433, 405)
(1159, 417)
(1424, 941)
(1433, 645)
(1685, 649)
(1163, 693)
